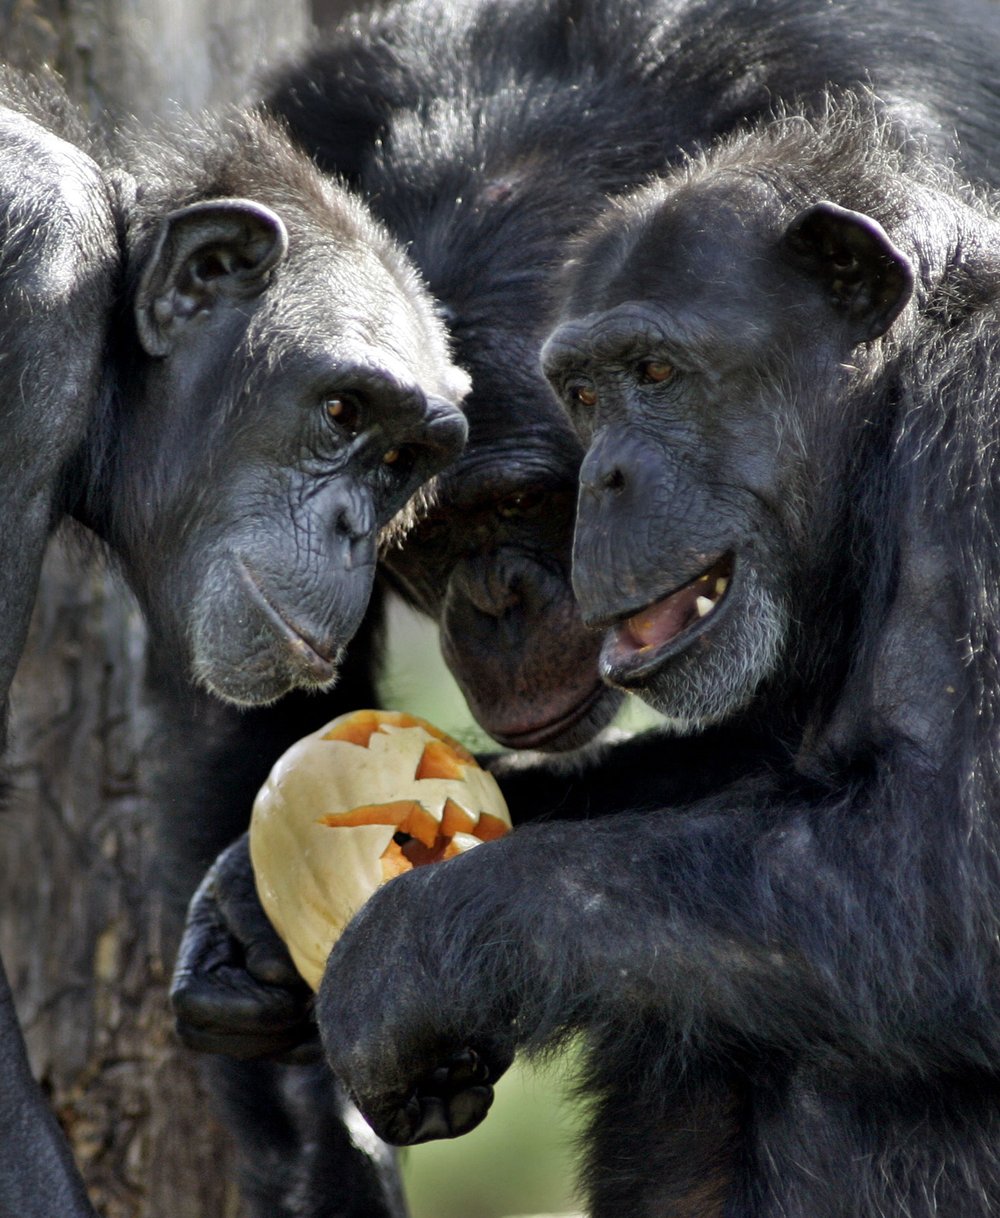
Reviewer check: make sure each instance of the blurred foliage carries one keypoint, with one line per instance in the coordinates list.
(519, 1161)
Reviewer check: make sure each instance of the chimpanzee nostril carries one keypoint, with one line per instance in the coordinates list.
(351, 524)
(342, 525)
(614, 480)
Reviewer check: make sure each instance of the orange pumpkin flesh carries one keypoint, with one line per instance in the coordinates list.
(432, 803)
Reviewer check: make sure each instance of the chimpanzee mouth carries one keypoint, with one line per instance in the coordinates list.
(537, 735)
(639, 643)
(320, 668)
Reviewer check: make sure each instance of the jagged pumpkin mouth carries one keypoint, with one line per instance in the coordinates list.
(420, 838)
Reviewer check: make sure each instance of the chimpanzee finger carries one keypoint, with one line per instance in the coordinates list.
(221, 1004)
(230, 884)
(446, 1102)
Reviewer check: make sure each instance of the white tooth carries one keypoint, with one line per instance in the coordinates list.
(721, 584)
(704, 605)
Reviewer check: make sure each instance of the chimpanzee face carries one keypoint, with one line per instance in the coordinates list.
(492, 563)
(297, 393)
(706, 353)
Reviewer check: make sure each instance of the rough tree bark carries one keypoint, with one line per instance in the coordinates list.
(81, 929)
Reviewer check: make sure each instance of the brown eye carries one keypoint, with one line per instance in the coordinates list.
(401, 459)
(343, 411)
(656, 370)
(583, 395)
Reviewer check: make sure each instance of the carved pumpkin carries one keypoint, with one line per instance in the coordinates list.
(352, 805)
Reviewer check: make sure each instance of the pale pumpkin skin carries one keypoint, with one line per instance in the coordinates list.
(323, 825)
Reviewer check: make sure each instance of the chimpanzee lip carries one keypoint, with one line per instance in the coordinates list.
(539, 734)
(643, 639)
(320, 666)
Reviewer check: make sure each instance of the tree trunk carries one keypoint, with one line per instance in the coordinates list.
(82, 931)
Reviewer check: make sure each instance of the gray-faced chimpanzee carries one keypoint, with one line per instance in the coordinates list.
(782, 357)
(223, 366)
(284, 348)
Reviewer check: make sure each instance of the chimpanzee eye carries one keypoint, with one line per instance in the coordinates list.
(582, 394)
(343, 410)
(656, 370)
(524, 503)
(401, 460)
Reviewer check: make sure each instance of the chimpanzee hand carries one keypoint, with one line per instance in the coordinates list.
(417, 1039)
(235, 989)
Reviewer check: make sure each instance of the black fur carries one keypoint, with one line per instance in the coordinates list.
(485, 136)
(787, 981)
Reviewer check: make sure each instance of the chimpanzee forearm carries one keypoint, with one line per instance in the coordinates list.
(39, 1177)
(712, 919)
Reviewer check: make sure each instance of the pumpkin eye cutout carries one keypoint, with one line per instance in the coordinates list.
(350, 807)
(656, 371)
(344, 411)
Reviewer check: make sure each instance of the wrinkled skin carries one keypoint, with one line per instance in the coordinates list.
(289, 391)
(787, 982)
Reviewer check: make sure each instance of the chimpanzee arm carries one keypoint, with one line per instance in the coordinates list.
(647, 770)
(777, 924)
(38, 1173)
(235, 990)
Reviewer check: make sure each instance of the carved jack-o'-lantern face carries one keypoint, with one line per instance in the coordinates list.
(352, 805)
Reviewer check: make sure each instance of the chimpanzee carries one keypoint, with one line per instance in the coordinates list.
(252, 383)
(58, 268)
(782, 357)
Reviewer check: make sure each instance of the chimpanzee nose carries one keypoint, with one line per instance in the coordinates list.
(352, 525)
(445, 429)
(604, 471)
(494, 586)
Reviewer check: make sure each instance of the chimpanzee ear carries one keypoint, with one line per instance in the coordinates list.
(866, 277)
(222, 249)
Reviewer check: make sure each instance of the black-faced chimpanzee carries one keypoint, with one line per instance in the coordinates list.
(266, 391)
(783, 359)
(58, 269)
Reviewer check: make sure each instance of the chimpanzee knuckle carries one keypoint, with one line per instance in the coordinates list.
(468, 1108)
(395, 1121)
(432, 1119)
